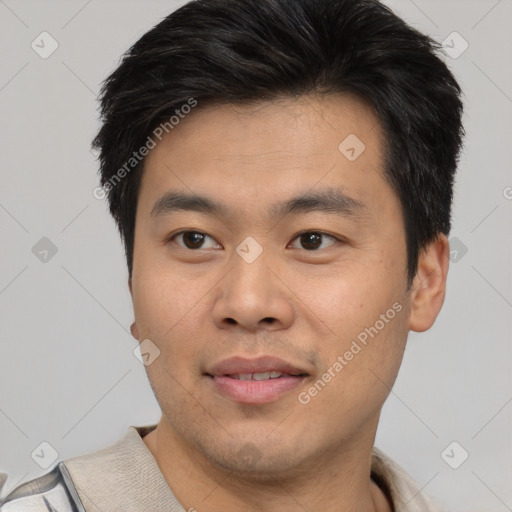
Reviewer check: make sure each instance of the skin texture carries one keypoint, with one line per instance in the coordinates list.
(200, 306)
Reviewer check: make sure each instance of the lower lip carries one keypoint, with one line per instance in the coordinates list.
(255, 391)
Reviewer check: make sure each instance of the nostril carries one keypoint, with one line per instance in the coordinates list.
(231, 321)
(269, 320)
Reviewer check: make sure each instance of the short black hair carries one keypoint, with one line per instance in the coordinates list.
(236, 51)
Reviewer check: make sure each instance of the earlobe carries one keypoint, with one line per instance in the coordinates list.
(134, 331)
(429, 285)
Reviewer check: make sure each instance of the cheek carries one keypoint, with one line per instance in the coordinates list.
(343, 301)
(361, 365)
(172, 314)
(361, 330)
(163, 301)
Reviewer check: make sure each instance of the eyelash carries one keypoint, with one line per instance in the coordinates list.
(321, 233)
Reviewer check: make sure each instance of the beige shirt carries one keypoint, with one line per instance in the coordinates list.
(126, 478)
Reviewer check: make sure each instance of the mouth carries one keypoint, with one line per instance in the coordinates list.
(255, 381)
(262, 376)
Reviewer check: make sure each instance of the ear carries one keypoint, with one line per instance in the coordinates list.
(134, 331)
(133, 328)
(429, 284)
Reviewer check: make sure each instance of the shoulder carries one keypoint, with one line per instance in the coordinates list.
(53, 491)
(62, 488)
(123, 476)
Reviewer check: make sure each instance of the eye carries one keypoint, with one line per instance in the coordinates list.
(314, 240)
(193, 240)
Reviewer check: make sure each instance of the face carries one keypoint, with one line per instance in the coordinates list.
(270, 272)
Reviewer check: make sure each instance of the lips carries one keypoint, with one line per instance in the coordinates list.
(255, 381)
(264, 364)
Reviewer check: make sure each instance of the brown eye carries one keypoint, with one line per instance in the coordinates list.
(194, 240)
(313, 240)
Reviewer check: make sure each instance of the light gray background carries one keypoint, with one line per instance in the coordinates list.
(68, 375)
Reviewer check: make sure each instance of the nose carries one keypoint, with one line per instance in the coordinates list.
(252, 297)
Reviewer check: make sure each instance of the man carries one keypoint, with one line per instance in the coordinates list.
(281, 174)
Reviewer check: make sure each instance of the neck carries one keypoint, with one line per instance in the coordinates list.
(333, 482)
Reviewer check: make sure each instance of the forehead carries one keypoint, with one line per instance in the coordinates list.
(255, 153)
(278, 126)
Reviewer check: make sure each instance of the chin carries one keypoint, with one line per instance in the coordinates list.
(257, 458)
(253, 464)
(250, 447)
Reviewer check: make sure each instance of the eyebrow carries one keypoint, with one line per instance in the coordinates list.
(329, 200)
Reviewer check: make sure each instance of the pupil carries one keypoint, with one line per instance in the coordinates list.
(193, 240)
(311, 240)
